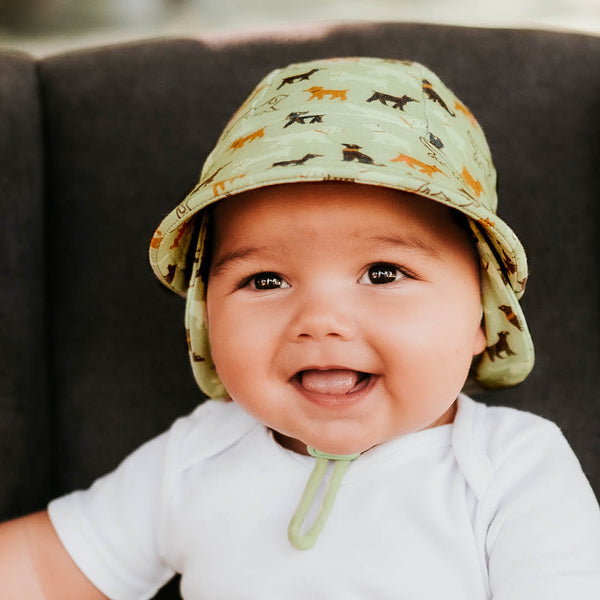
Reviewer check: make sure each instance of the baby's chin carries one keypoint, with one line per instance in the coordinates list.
(344, 445)
(333, 447)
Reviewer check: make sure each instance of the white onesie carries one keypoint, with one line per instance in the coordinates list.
(493, 506)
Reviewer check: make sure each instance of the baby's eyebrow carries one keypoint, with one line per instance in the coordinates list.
(234, 255)
(409, 242)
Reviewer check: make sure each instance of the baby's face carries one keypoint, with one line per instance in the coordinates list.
(342, 315)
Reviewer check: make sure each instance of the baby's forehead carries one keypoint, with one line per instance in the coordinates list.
(303, 199)
(348, 209)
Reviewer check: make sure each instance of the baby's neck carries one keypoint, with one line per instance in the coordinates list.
(290, 443)
(299, 447)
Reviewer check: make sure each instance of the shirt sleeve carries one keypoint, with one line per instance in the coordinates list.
(543, 538)
(111, 529)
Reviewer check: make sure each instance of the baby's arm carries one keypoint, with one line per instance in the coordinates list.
(543, 539)
(35, 565)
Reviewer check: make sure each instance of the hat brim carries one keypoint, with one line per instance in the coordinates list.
(170, 246)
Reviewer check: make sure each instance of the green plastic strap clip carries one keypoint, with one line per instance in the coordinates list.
(342, 462)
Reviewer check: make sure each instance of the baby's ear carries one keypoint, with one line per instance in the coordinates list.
(480, 341)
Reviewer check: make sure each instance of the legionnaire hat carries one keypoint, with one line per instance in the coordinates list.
(372, 121)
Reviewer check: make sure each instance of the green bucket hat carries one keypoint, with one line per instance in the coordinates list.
(371, 121)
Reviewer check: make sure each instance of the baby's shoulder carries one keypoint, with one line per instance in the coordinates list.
(492, 440)
(210, 429)
(503, 431)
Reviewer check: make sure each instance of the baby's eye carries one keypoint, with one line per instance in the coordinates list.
(267, 281)
(381, 273)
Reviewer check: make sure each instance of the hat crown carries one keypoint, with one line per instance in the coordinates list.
(373, 115)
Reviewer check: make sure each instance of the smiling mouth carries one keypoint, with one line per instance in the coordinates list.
(332, 382)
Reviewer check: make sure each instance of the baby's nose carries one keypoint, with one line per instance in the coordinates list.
(322, 315)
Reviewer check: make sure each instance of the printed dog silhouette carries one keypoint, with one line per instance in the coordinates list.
(413, 163)
(302, 118)
(396, 101)
(511, 317)
(242, 141)
(318, 93)
(499, 347)
(352, 152)
(296, 162)
(473, 183)
(295, 78)
(221, 185)
(433, 95)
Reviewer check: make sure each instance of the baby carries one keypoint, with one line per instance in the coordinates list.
(345, 274)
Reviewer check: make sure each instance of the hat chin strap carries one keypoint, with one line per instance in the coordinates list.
(341, 462)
